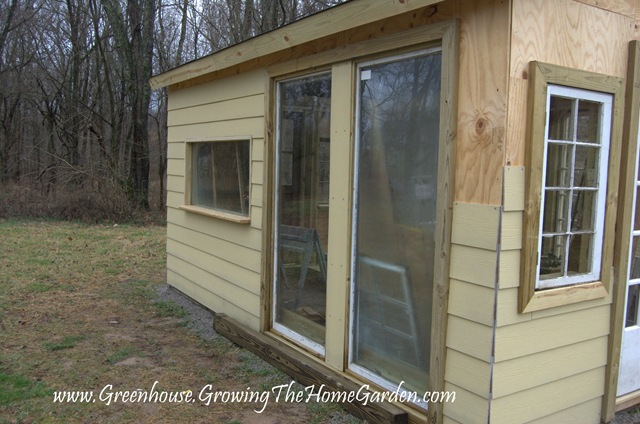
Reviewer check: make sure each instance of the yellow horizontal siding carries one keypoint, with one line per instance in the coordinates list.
(468, 372)
(229, 231)
(473, 265)
(256, 217)
(511, 235)
(585, 413)
(514, 184)
(509, 269)
(175, 167)
(175, 183)
(469, 337)
(521, 373)
(225, 270)
(257, 172)
(471, 302)
(549, 398)
(225, 110)
(212, 301)
(257, 149)
(468, 407)
(547, 333)
(475, 225)
(229, 251)
(176, 150)
(174, 200)
(253, 126)
(241, 85)
(256, 194)
(243, 299)
(507, 310)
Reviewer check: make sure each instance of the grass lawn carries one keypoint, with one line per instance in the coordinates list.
(78, 312)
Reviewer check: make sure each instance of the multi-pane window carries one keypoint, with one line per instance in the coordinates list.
(574, 186)
(219, 175)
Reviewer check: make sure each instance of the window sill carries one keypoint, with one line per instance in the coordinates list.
(227, 216)
(551, 298)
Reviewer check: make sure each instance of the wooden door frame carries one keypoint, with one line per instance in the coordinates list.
(624, 226)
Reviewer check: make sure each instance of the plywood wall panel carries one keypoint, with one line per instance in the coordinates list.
(622, 7)
(561, 32)
(482, 100)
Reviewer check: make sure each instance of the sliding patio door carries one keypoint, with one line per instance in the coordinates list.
(394, 218)
(302, 209)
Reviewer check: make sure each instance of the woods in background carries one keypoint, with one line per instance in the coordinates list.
(82, 136)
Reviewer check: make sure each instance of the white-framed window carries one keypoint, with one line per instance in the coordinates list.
(574, 186)
(218, 177)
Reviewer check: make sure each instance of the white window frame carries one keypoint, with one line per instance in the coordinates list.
(604, 130)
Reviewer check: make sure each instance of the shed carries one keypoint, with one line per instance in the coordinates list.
(419, 195)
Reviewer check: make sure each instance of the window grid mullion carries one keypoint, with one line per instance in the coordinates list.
(572, 162)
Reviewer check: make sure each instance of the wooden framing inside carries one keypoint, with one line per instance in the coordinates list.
(625, 224)
(540, 76)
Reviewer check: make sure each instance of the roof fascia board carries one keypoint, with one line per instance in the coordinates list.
(340, 18)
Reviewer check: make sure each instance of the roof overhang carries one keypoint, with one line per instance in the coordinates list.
(340, 18)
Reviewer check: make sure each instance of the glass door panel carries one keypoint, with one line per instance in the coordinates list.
(398, 113)
(302, 209)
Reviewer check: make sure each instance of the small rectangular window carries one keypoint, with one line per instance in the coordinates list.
(574, 132)
(218, 176)
(574, 186)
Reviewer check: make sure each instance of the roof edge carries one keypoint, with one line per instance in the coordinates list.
(340, 18)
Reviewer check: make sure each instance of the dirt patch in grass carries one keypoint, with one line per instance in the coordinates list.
(85, 309)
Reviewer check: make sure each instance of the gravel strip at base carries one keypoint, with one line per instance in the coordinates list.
(201, 318)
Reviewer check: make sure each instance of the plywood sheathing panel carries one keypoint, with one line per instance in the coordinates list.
(484, 43)
(566, 33)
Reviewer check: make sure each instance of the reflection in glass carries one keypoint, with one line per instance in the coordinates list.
(398, 136)
(302, 210)
(561, 122)
(552, 256)
(556, 205)
(633, 301)
(582, 210)
(571, 191)
(636, 219)
(585, 173)
(220, 175)
(635, 259)
(588, 122)
(579, 254)
(559, 165)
